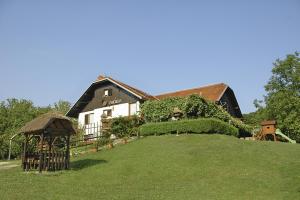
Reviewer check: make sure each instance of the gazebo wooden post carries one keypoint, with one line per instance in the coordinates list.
(49, 153)
(67, 158)
(41, 164)
(25, 153)
(54, 155)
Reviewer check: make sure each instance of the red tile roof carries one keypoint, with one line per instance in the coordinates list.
(210, 92)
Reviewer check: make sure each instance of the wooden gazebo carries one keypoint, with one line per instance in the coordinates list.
(49, 136)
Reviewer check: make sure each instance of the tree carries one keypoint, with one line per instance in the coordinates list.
(285, 76)
(255, 118)
(62, 106)
(15, 113)
(282, 101)
(283, 95)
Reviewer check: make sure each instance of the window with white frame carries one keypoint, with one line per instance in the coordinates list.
(89, 118)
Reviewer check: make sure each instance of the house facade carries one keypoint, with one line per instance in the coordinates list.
(112, 98)
(108, 97)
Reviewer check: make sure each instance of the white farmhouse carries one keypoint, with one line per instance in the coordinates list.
(114, 99)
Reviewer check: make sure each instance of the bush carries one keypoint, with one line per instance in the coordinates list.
(244, 129)
(218, 112)
(195, 106)
(125, 126)
(162, 110)
(103, 141)
(201, 125)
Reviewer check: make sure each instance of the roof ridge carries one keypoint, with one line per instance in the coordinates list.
(128, 85)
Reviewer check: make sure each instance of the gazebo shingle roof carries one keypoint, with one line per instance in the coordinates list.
(43, 122)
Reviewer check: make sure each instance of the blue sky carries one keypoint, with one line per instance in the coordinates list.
(51, 50)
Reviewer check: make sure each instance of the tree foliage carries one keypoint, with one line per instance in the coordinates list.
(62, 106)
(283, 95)
(159, 111)
(285, 76)
(15, 113)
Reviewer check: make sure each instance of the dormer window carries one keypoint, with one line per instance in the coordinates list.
(107, 92)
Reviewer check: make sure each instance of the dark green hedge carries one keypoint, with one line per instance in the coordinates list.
(202, 125)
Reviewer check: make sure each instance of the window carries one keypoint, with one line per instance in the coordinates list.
(107, 92)
(108, 112)
(89, 118)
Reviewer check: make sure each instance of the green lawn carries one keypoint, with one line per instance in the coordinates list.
(169, 167)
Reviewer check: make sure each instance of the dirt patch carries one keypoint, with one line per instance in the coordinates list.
(3, 163)
(7, 165)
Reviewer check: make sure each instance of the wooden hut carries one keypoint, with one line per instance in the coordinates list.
(51, 134)
(268, 131)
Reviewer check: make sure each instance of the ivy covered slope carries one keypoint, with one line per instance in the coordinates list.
(193, 107)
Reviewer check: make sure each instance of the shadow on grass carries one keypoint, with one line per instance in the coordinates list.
(85, 163)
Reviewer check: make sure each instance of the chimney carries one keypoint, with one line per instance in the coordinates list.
(101, 77)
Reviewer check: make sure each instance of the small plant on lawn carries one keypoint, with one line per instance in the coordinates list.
(103, 141)
(106, 139)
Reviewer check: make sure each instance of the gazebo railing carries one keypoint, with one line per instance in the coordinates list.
(45, 161)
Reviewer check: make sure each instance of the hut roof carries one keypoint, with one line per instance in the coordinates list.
(270, 122)
(54, 121)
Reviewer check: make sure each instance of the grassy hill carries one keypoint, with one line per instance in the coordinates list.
(169, 167)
